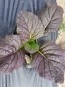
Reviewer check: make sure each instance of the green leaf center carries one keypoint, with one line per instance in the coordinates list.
(31, 46)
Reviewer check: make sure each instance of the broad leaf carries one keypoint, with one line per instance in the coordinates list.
(49, 62)
(10, 57)
(51, 17)
(29, 26)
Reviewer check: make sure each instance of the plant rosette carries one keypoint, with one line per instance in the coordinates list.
(23, 48)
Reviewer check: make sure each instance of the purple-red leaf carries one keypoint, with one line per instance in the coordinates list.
(29, 26)
(10, 57)
(49, 62)
(51, 17)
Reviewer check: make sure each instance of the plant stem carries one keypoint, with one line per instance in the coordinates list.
(20, 47)
(41, 54)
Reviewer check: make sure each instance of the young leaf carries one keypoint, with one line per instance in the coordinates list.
(31, 46)
(51, 17)
(10, 57)
(29, 26)
(49, 62)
